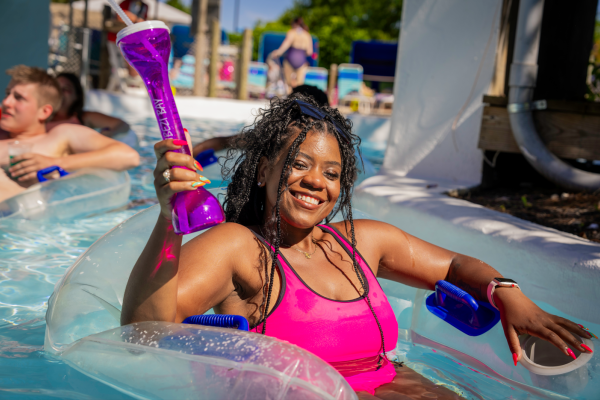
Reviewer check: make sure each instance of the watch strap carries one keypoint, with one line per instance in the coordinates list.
(490, 291)
(492, 287)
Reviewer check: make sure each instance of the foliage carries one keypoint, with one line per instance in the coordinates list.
(179, 5)
(593, 80)
(234, 38)
(337, 23)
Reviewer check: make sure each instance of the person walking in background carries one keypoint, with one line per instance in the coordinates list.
(299, 45)
(71, 110)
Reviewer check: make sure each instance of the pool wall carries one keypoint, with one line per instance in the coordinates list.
(553, 267)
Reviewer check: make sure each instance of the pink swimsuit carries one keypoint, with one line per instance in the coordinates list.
(342, 332)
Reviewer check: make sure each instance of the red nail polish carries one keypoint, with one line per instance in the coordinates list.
(185, 130)
(179, 142)
(571, 354)
(581, 326)
(586, 347)
(515, 358)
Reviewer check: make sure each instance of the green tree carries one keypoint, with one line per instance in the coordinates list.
(337, 23)
(179, 5)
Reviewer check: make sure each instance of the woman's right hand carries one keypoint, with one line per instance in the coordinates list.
(181, 179)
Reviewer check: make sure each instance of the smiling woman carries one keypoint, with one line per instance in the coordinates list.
(311, 284)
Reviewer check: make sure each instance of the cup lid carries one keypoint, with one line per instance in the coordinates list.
(141, 26)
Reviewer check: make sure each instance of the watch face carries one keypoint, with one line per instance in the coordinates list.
(505, 281)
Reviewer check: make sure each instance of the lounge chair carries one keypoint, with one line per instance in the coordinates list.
(317, 76)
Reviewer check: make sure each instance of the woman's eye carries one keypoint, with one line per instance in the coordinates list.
(332, 175)
(299, 166)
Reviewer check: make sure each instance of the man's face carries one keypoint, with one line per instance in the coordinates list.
(20, 108)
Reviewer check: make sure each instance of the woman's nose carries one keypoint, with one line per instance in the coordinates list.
(314, 178)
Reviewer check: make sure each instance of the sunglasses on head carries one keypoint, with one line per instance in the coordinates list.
(315, 112)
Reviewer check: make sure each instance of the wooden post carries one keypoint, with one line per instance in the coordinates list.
(215, 41)
(244, 64)
(332, 82)
(200, 48)
(105, 69)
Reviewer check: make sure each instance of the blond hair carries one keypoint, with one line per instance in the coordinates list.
(48, 89)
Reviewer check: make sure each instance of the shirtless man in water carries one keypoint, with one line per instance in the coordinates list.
(32, 97)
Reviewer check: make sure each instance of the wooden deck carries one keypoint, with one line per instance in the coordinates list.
(569, 129)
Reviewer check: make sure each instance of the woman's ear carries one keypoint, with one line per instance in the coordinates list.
(263, 167)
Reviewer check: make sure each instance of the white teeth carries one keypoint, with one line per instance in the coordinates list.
(307, 199)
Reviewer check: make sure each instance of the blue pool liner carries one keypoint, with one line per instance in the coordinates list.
(459, 309)
(220, 320)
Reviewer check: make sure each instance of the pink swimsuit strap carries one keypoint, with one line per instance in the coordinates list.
(342, 332)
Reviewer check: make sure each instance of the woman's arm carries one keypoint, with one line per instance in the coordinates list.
(407, 259)
(109, 126)
(289, 37)
(216, 143)
(170, 282)
(309, 49)
(154, 291)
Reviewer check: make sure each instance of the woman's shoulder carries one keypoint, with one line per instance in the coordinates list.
(361, 227)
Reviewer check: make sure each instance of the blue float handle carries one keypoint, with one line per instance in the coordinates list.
(443, 288)
(46, 171)
(207, 157)
(221, 320)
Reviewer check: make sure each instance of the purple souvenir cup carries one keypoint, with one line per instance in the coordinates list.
(147, 46)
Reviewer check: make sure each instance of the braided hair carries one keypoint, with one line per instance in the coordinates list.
(273, 129)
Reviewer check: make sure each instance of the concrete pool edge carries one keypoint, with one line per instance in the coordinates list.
(139, 106)
(553, 265)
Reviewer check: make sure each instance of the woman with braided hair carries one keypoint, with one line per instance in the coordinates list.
(311, 284)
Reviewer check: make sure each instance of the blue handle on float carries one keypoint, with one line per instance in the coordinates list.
(221, 320)
(443, 289)
(207, 157)
(459, 309)
(46, 171)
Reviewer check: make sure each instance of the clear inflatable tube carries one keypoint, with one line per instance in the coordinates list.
(192, 361)
(84, 192)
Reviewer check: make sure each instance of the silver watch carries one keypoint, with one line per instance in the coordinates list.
(502, 282)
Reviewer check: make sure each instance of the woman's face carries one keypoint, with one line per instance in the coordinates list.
(68, 93)
(314, 182)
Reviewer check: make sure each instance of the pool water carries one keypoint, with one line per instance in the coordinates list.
(33, 260)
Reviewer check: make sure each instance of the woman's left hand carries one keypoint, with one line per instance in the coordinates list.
(520, 315)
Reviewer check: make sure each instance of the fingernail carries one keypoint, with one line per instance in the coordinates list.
(586, 347)
(185, 130)
(198, 166)
(179, 142)
(581, 326)
(571, 354)
(515, 358)
(593, 335)
(198, 184)
(204, 179)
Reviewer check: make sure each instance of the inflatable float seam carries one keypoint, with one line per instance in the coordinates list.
(287, 379)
